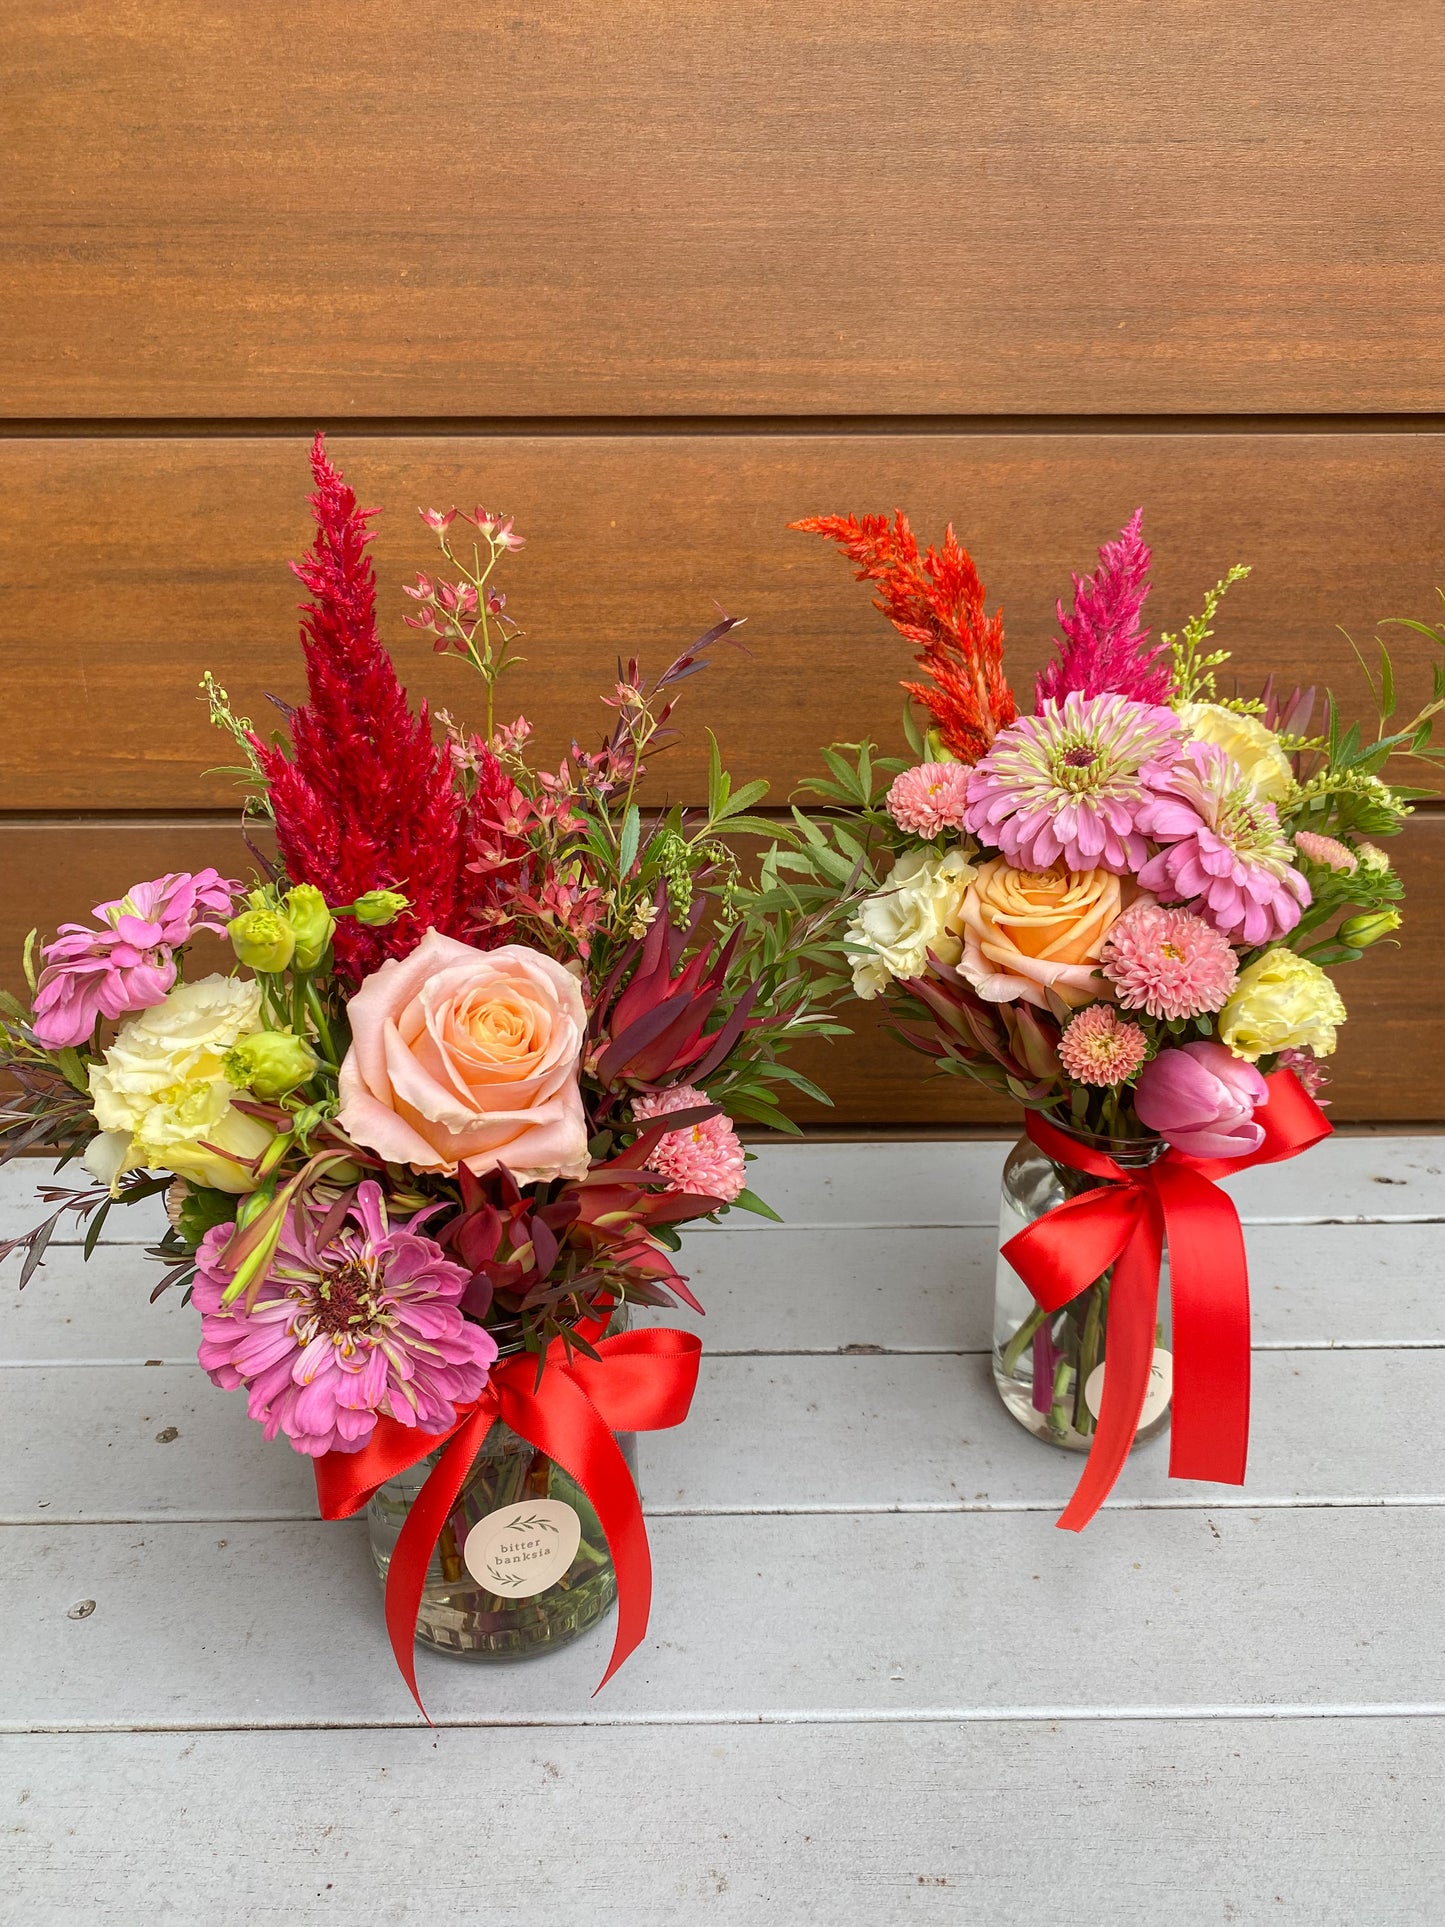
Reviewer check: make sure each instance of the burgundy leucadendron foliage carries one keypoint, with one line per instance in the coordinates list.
(366, 800)
(1103, 651)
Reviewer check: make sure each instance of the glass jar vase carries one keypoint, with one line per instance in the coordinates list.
(1048, 1368)
(501, 1584)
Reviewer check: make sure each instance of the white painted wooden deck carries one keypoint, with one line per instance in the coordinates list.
(880, 1686)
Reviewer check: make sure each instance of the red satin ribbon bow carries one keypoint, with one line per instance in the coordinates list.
(1126, 1224)
(641, 1381)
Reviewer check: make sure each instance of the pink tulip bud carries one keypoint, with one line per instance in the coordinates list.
(1202, 1098)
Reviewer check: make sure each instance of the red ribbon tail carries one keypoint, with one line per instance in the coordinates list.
(421, 1529)
(1129, 1349)
(565, 1424)
(1209, 1285)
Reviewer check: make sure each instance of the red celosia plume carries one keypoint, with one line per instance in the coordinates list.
(366, 800)
(936, 602)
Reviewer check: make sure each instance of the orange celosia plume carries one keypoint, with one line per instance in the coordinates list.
(936, 602)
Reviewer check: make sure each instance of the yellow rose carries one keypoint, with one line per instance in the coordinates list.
(1029, 932)
(1282, 1002)
(917, 910)
(162, 1089)
(1250, 746)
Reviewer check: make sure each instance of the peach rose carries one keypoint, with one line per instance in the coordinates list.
(465, 1056)
(1026, 932)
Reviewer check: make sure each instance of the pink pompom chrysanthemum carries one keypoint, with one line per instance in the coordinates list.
(1101, 1047)
(1327, 851)
(929, 799)
(128, 964)
(705, 1159)
(1225, 855)
(341, 1332)
(1168, 962)
(1067, 785)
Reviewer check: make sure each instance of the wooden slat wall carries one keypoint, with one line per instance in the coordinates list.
(660, 280)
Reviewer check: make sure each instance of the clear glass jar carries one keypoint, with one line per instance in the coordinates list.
(459, 1613)
(1047, 1368)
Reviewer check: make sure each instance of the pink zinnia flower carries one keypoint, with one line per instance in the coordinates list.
(705, 1159)
(1104, 647)
(1100, 1047)
(1067, 785)
(1168, 962)
(929, 799)
(1227, 857)
(340, 1333)
(1202, 1098)
(129, 963)
(1327, 851)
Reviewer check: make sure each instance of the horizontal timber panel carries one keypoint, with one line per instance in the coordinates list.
(1390, 1051)
(127, 567)
(578, 209)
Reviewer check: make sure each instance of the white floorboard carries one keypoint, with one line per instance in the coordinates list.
(880, 1686)
(1315, 1823)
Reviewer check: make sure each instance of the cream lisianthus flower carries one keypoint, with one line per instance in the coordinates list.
(1282, 1002)
(919, 908)
(161, 1097)
(1247, 743)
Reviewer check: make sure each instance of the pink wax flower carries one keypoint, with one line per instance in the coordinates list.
(1226, 856)
(1168, 962)
(1327, 851)
(341, 1333)
(1100, 1047)
(929, 799)
(705, 1159)
(128, 964)
(1308, 1069)
(1202, 1098)
(1068, 784)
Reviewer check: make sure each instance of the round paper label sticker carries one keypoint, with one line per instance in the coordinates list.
(1161, 1387)
(524, 1548)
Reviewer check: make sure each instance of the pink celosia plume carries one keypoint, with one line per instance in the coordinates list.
(1103, 650)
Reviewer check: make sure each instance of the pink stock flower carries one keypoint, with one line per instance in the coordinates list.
(343, 1332)
(1100, 1047)
(1168, 962)
(1202, 1098)
(1068, 784)
(929, 799)
(1327, 851)
(705, 1159)
(128, 964)
(1226, 856)
(1103, 648)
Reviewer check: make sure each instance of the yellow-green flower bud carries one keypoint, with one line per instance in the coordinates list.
(312, 923)
(270, 1063)
(1360, 932)
(263, 940)
(379, 906)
